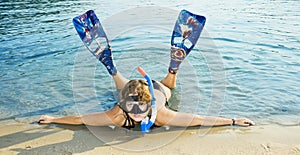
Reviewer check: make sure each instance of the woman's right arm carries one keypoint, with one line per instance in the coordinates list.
(110, 117)
(73, 120)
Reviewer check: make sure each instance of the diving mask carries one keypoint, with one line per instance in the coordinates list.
(131, 104)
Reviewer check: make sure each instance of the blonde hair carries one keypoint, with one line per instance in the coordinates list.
(139, 87)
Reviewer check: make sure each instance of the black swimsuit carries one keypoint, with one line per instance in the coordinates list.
(129, 122)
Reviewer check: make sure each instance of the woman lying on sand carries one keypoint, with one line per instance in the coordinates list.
(135, 98)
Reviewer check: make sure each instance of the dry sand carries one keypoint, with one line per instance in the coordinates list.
(25, 138)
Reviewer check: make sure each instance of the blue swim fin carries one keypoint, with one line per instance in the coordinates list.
(91, 33)
(186, 32)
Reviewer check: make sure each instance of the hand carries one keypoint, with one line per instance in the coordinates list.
(244, 122)
(45, 119)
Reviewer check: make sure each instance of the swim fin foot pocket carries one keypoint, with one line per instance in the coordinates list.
(186, 32)
(92, 34)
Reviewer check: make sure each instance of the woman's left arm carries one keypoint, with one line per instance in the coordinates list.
(168, 117)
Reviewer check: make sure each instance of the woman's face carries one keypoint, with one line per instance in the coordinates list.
(134, 99)
(142, 106)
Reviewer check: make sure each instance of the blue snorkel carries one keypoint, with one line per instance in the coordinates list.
(146, 123)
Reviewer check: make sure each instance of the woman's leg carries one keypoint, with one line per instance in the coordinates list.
(170, 80)
(106, 59)
(120, 81)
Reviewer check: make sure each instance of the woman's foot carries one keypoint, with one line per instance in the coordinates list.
(106, 59)
(177, 56)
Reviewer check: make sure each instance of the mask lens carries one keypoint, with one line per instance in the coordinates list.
(130, 104)
(133, 106)
(143, 106)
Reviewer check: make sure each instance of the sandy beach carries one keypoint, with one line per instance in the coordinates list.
(17, 137)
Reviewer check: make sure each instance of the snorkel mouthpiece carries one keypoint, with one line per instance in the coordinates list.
(146, 123)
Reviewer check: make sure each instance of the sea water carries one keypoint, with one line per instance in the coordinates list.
(246, 63)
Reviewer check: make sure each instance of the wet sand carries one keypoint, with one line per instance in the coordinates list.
(17, 137)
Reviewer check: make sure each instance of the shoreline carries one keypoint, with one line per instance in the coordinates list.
(23, 138)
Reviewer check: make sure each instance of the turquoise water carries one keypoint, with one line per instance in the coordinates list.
(246, 65)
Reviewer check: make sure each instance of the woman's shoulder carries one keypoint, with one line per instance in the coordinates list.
(160, 98)
(117, 115)
(166, 90)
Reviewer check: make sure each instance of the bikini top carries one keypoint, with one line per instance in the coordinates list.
(129, 122)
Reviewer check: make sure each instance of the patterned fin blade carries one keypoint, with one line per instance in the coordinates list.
(187, 30)
(91, 32)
